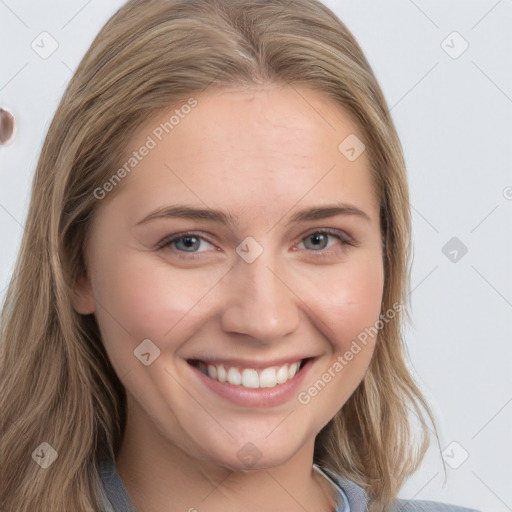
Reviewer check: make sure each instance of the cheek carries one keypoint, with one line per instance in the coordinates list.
(345, 307)
(348, 300)
(141, 298)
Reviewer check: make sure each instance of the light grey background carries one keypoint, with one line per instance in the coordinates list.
(454, 117)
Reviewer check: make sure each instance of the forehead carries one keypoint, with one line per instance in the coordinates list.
(260, 146)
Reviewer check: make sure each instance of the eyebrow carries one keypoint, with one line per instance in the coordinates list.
(308, 214)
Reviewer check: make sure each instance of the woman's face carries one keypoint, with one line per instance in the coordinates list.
(281, 266)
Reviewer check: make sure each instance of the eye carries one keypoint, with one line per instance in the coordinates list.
(318, 240)
(184, 242)
(190, 243)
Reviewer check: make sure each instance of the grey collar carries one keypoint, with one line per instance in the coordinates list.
(351, 497)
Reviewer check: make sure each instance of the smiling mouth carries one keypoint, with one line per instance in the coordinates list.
(250, 377)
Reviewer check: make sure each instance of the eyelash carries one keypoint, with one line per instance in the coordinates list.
(345, 240)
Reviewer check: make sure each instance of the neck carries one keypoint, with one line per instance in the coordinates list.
(160, 477)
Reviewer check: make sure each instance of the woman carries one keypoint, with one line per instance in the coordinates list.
(206, 310)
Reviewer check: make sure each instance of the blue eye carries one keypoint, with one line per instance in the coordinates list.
(319, 240)
(190, 243)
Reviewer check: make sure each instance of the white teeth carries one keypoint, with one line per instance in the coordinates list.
(212, 371)
(268, 378)
(282, 374)
(251, 378)
(234, 376)
(294, 368)
(222, 374)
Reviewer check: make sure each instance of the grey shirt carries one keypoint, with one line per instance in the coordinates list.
(350, 497)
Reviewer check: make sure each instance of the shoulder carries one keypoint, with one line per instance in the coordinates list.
(113, 494)
(427, 506)
(357, 499)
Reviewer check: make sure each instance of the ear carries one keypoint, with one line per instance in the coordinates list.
(83, 299)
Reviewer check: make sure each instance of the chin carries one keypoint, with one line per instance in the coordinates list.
(255, 455)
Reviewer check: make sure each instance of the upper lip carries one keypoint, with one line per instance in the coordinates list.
(249, 364)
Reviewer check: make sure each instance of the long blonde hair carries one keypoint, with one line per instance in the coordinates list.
(57, 383)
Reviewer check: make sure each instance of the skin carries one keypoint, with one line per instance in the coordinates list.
(261, 154)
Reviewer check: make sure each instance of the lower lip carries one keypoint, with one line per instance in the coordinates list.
(256, 397)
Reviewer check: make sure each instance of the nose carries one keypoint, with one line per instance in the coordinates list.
(260, 302)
